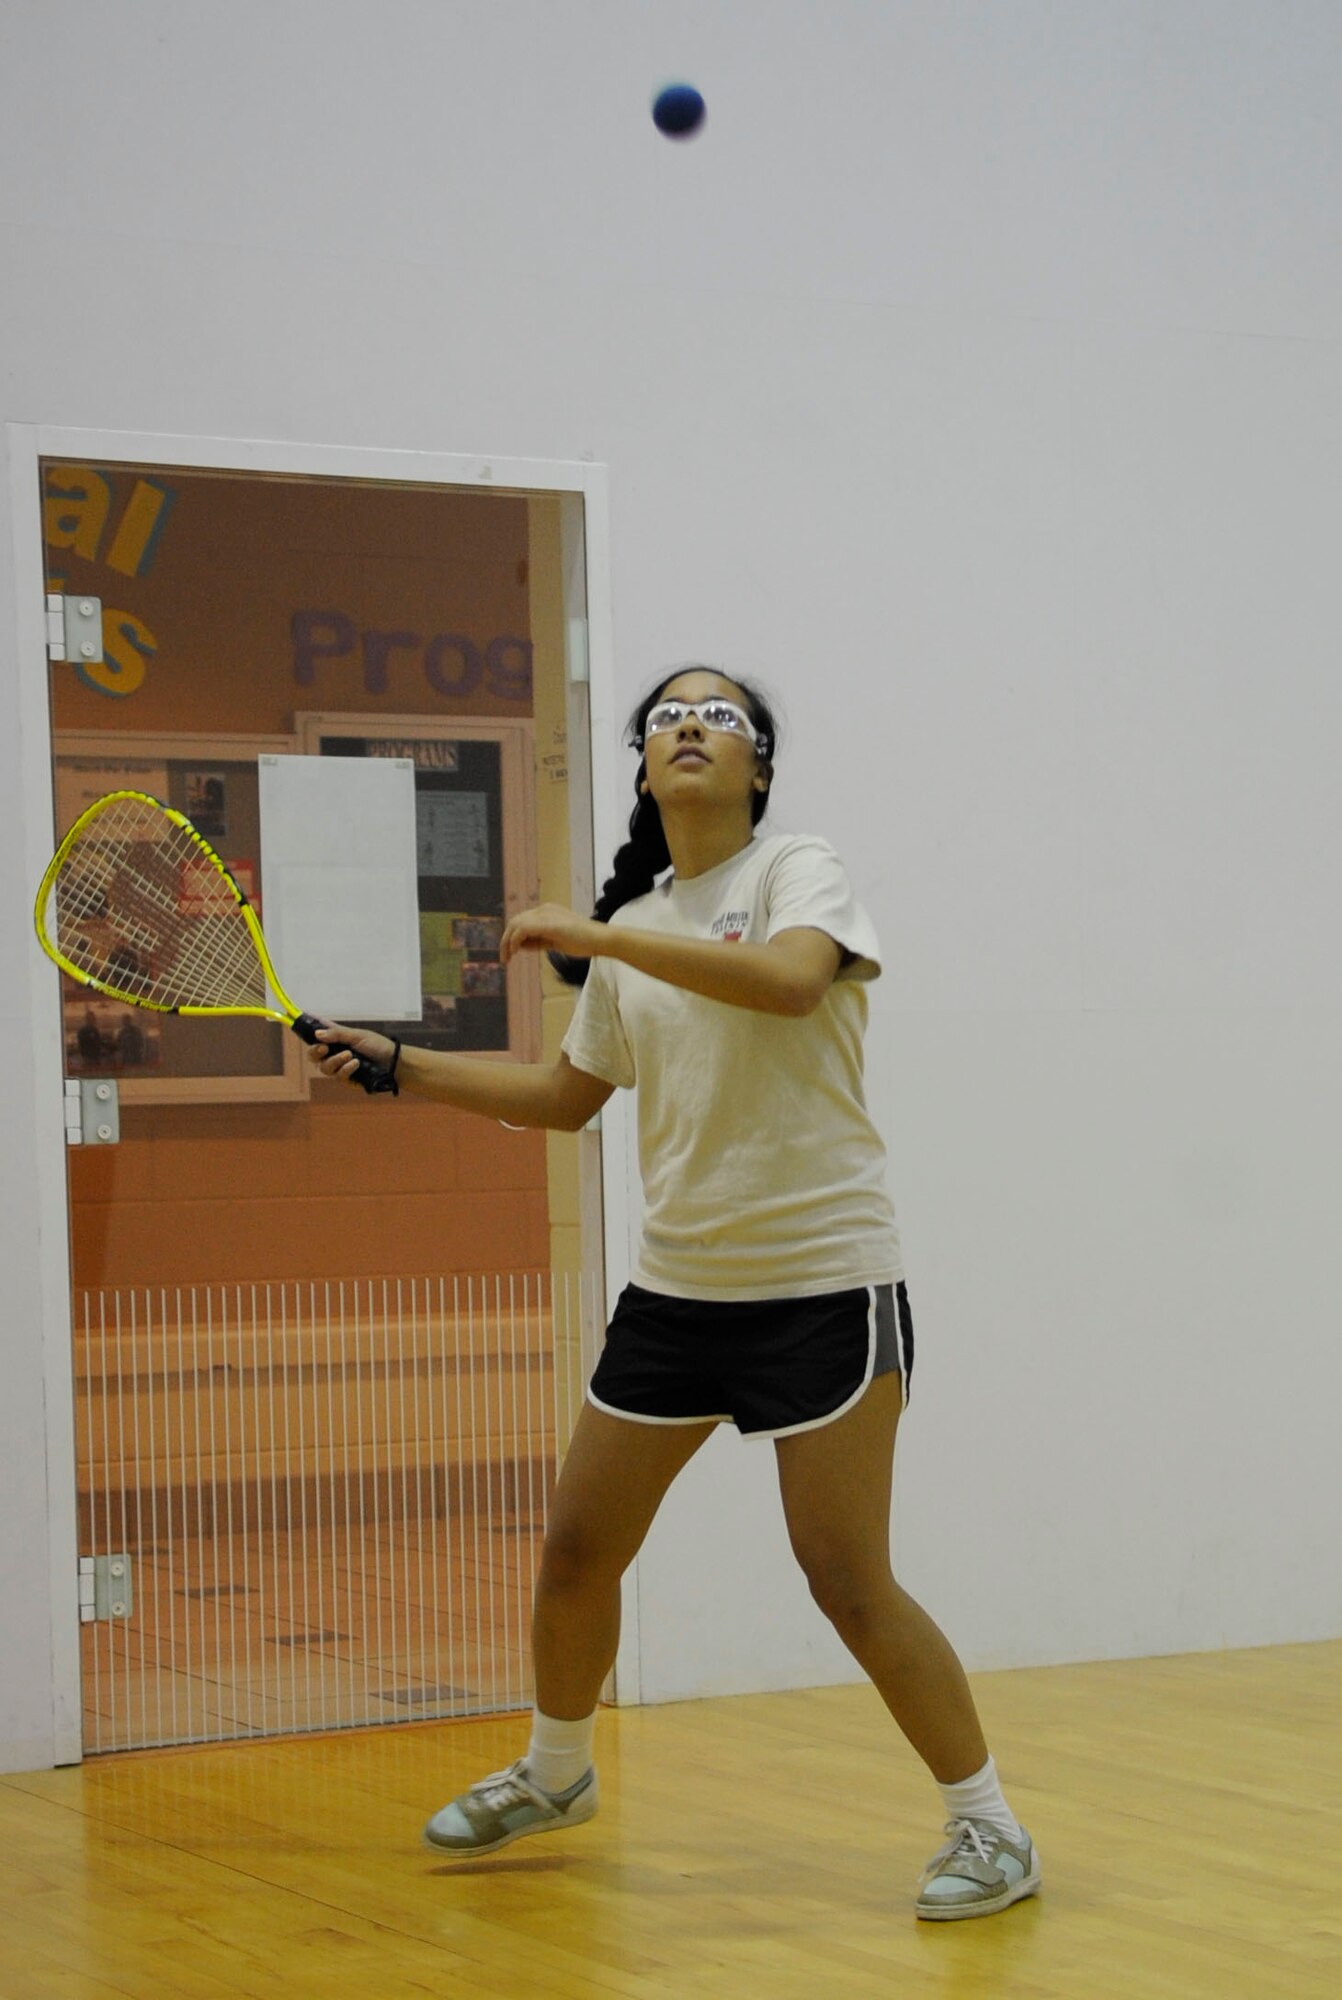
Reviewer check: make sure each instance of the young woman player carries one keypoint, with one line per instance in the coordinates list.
(769, 1288)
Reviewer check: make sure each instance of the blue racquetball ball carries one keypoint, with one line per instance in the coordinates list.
(678, 111)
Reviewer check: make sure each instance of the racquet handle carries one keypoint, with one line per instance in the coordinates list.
(370, 1076)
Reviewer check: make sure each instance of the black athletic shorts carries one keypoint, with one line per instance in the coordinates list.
(769, 1366)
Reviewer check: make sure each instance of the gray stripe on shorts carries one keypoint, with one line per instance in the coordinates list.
(890, 1355)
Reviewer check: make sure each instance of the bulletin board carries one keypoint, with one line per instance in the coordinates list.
(164, 1058)
(475, 829)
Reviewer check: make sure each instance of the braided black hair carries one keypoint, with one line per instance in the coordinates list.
(645, 854)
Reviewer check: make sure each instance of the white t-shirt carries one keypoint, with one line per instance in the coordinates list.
(763, 1176)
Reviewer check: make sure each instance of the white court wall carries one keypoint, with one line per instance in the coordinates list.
(974, 377)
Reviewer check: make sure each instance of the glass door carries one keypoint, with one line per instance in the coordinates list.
(327, 1349)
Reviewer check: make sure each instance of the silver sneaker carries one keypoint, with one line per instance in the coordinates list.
(977, 1872)
(503, 1808)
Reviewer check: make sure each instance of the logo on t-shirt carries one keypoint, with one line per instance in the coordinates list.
(730, 925)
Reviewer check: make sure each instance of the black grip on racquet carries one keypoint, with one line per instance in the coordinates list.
(369, 1076)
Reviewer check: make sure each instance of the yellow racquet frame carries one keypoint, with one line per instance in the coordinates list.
(285, 1015)
(368, 1074)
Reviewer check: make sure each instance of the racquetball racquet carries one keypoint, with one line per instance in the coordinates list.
(138, 905)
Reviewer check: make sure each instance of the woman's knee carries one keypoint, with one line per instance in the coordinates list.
(577, 1556)
(849, 1593)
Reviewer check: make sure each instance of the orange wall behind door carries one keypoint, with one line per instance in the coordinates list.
(377, 1187)
(240, 600)
(201, 589)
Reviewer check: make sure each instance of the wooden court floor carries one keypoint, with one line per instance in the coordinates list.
(1188, 1812)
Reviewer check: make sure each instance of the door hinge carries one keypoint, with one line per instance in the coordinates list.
(74, 627)
(92, 1111)
(104, 1588)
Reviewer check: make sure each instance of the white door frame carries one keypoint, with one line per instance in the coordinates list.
(25, 447)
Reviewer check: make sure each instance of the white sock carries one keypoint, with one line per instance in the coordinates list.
(560, 1752)
(980, 1797)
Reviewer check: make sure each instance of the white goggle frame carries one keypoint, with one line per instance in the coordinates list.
(715, 712)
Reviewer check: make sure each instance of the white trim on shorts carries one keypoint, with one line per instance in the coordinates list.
(634, 1417)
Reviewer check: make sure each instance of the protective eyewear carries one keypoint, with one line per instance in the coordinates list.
(717, 714)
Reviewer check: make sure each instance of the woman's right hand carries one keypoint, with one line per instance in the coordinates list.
(343, 1061)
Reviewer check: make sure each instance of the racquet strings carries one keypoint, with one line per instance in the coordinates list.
(142, 908)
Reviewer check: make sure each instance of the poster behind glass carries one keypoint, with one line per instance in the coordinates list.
(108, 1038)
(459, 831)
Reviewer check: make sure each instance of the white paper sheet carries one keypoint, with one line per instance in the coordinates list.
(340, 888)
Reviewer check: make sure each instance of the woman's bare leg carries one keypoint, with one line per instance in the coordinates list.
(836, 1486)
(613, 1480)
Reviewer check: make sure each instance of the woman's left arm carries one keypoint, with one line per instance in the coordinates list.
(789, 975)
